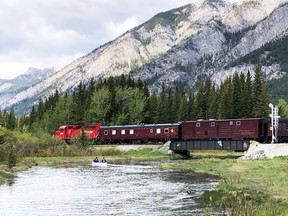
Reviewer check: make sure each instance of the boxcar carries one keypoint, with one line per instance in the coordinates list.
(140, 133)
(222, 129)
(282, 131)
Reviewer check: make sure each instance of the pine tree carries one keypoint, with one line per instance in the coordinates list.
(11, 122)
(213, 104)
(78, 107)
(260, 95)
(191, 106)
(200, 100)
(12, 157)
(236, 97)
(162, 106)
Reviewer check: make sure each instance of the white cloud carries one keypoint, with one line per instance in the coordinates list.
(114, 29)
(55, 32)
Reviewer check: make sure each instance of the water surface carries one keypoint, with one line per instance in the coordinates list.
(115, 190)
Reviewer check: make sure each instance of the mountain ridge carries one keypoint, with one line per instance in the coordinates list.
(180, 45)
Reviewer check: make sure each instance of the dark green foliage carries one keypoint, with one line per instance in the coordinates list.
(260, 95)
(12, 157)
(274, 52)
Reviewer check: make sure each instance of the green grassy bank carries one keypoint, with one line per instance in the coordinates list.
(247, 187)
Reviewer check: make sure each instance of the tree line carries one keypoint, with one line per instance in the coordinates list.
(122, 100)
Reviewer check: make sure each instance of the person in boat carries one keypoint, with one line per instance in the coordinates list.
(103, 160)
(96, 160)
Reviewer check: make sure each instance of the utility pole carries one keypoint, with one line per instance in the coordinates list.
(274, 122)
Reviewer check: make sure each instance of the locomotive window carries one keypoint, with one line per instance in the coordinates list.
(122, 132)
(238, 123)
(158, 131)
(105, 132)
(231, 123)
(151, 130)
(131, 131)
(212, 124)
(166, 130)
(198, 124)
(113, 132)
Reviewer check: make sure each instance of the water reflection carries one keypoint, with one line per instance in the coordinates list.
(115, 190)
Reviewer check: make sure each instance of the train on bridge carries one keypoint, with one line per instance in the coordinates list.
(225, 134)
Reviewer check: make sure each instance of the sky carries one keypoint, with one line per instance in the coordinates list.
(53, 33)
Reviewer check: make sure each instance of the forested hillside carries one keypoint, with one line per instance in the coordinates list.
(122, 101)
(272, 53)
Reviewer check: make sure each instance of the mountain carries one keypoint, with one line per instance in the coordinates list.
(209, 38)
(12, 87)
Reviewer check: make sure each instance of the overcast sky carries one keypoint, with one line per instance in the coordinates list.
(53, 33)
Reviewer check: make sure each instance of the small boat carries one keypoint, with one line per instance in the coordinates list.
(99, 164)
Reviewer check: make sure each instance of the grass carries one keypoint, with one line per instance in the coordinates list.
(247, 187)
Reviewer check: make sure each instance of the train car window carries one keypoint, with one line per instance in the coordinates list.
(151, 130)
(212, 124)
(131, 131)
(198, 124)
(113, 132)
(166, 130)
(105, 132)
(238, 123)
(158, 131)
(231, 122)
(122, 132)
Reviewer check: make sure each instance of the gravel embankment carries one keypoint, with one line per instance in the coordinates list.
(258, 151)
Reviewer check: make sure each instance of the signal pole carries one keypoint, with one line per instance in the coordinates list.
(274, 122)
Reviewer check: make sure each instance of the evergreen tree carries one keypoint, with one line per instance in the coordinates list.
(162, 106)
(176, 99)
(200, 101)
(182, 112)
(151, 111)
(225, 109)
(11, 121)
(78, 107)
(12, 157)
(236, 97)
(248, 97)
(260, 95)
(213, 103)
(191, 106)
(40, 109)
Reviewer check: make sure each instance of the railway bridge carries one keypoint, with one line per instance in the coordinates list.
(183, 146)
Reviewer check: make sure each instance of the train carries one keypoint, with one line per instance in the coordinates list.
(234, 134)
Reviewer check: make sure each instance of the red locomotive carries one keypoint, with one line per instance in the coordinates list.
(70, 132)
(233, 134)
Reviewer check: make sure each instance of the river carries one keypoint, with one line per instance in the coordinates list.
(141, 189)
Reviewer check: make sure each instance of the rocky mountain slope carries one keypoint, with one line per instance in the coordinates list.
(10, 88)
(181, 45)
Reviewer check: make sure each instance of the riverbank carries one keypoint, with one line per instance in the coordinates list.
(247, 187)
